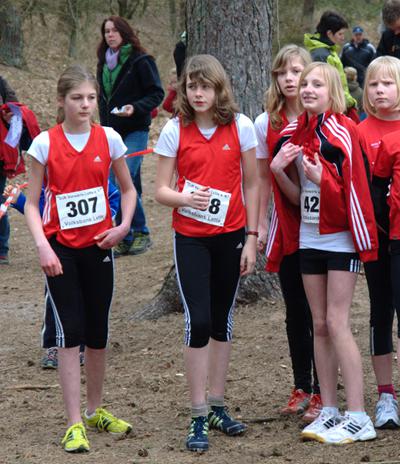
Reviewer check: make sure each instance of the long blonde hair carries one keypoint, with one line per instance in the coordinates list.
(332, 78)
(72, 77)
(207, 69)
(384, 66)
(274, 98)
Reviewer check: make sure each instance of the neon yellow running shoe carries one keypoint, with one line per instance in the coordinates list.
(104, 421)
(75, 439)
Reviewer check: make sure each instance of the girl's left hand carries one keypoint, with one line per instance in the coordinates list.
(110, 237)
(313, 169)
(128, 111)
(248, 257)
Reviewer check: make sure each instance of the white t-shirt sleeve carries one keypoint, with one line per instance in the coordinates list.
(115, 143)
(39, 148)
(261, 126)
(247, 134)
(168, 142)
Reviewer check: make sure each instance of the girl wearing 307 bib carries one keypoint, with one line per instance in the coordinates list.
(74, 243)
(212, 151)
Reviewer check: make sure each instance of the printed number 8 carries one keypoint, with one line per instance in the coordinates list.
(214, 206)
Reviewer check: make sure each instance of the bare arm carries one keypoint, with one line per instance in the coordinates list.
(167, 196)
(111, 237)
(251, 198)
(288, 181)
(48, 259)
(265, 188)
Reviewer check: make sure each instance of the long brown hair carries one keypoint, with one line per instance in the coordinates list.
(206, 68)
(129, 36)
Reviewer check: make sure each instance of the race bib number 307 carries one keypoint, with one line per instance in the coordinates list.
(217, 209)
(81, 208)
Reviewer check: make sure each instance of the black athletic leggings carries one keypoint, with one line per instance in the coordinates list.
(299, 326)
(378, 276)
(395, 274)
(208, 272)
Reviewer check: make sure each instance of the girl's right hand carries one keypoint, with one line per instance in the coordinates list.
(199, 199)
(284, 157)
(49, 261)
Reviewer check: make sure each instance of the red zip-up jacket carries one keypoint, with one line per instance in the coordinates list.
(345, 200)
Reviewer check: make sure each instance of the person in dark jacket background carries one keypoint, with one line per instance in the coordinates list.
(358, 53)
(7, 94)
(390, 39)
(130, 88)
(324, 46)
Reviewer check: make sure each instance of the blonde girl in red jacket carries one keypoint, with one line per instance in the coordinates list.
(320, 171)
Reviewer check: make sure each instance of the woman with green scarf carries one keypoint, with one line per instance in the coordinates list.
(130, 88)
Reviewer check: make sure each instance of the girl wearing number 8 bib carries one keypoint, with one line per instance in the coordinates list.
(211, 149)
(320, 169)
(74, 243)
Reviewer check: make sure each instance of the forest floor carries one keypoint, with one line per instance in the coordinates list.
(145, 382)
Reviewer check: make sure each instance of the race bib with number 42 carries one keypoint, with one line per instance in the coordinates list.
(81, 208)
(309, 199)
(217, 209)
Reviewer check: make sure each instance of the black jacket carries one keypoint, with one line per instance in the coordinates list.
(359, 57)
(389, 44)
(138, 84)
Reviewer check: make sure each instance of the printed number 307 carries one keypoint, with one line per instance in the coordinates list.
(82, 207)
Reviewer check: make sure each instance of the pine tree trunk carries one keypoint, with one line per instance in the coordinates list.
(239, 34)
(11, 37)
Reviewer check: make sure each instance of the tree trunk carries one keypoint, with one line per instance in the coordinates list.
(258, 285)
(239, 34)
(11, 37)
(308, 15)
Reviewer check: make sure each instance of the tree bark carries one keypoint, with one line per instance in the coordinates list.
(11, 37)
(239, 34)
(308, 15)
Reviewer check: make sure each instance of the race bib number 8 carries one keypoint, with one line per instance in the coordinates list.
(310, 206)
(81, 208)
(217, 209)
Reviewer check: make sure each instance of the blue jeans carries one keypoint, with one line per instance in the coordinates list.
(135, 141)
(4, 224)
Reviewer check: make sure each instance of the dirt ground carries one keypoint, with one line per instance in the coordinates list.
(145, 382)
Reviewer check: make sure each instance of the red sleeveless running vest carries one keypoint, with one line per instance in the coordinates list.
(215, 163)
(69, 171)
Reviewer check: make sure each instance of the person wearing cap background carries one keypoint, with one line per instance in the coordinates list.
(358, 53)
(390, 39)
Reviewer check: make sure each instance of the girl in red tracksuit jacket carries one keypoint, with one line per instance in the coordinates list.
(282, 108)
(323, 207)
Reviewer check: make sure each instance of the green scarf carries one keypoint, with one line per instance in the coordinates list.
(109, 77)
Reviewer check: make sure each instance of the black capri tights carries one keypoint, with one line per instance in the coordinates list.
(208, 272)
(381, 300)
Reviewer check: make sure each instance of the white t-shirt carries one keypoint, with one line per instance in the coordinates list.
(39, 148)
(168, 142)
(309, 232)
(261, 126)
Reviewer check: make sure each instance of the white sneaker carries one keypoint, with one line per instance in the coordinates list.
(387, 412)
(322, 423)
(349, 430)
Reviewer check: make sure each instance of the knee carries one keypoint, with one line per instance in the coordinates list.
(197, 334)
(336, 326)
(320, 328)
